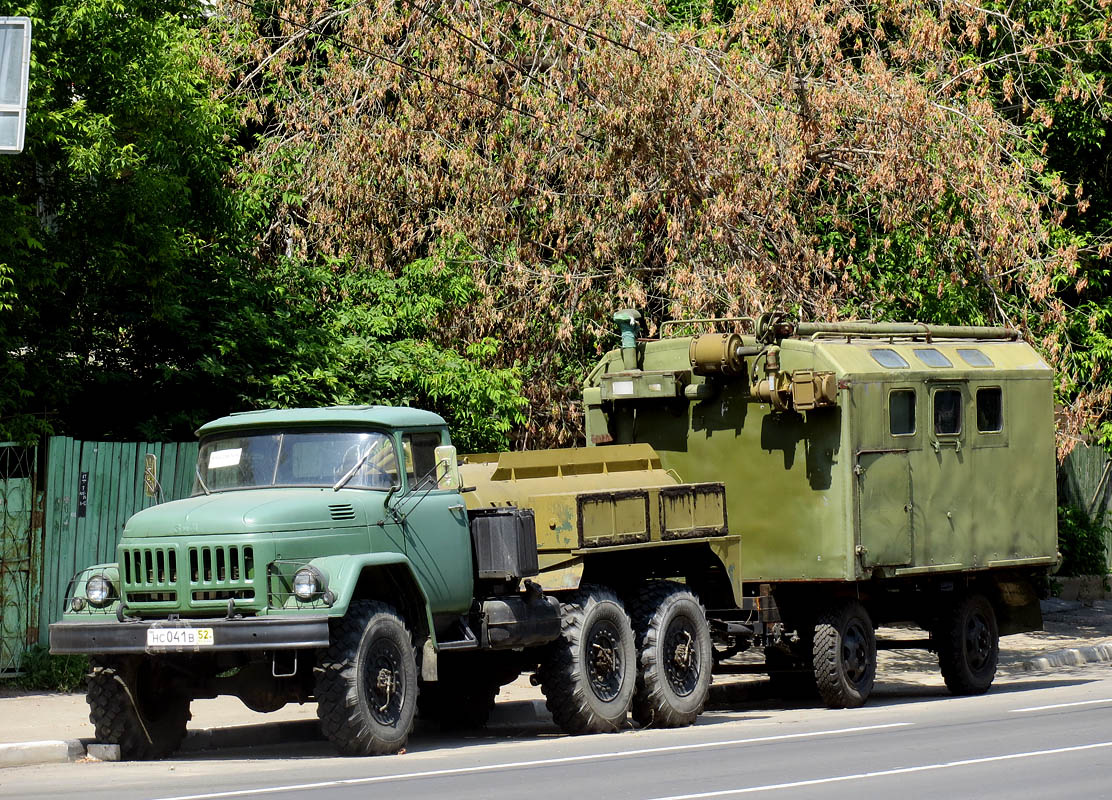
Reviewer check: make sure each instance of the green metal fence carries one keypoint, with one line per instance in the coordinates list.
(20, 551)
(91, 489)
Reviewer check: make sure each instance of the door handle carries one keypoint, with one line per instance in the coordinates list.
(456, 507)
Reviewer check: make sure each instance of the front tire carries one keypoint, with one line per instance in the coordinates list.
(674, 656)
(969, 646)
(845, 655)
(366, 685)
(589, 674)
(131, 705)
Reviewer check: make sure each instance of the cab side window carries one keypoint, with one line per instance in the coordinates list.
(947, 412)
(420, 459)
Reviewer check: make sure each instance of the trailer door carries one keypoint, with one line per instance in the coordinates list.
(883, 485)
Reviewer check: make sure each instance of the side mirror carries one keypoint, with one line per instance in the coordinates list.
(447, 468)
(150, 475)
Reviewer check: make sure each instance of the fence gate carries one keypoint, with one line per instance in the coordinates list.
(20, 542)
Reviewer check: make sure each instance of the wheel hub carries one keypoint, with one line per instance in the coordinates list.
(604, 661)
(681, 663)
(855, 654)
(384, 684)
(978, 642)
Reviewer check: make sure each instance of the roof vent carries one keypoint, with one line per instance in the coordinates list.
(342, 511)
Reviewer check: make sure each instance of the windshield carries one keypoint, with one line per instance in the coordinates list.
(295, 458)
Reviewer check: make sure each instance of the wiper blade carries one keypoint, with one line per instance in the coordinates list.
(347, 475)
(201, 480)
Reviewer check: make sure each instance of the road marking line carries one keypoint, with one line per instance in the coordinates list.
(1059, 705)
(884, 773)
(544, 762)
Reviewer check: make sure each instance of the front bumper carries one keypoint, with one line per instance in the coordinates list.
(254, 633)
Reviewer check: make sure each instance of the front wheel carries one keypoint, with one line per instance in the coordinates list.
(845, 655)
(968, 643)
(674, 656)
(366, 686)
(131, 704)
(588, 675)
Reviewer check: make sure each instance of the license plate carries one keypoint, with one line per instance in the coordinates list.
(180, 637)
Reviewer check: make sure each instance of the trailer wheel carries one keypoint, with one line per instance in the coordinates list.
(845, 655)
(674, 656)
(969, 645)
(367, 682)
(131, 705)
(589, 674)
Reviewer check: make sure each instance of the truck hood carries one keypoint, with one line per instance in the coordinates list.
(256, 511)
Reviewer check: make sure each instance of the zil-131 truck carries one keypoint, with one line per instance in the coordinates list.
(785, 489)
(343, 555)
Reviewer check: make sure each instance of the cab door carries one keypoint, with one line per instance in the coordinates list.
(435, 526)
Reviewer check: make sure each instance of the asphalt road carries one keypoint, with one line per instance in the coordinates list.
(1045, 735)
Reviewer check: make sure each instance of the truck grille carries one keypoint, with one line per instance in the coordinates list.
(150, 568)
(207, 574)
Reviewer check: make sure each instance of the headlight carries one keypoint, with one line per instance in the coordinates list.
(98, 590)
(308, 582)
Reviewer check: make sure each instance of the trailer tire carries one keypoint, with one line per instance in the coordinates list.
(588, 675)
(674, 656)
(130, 706)
(366, 686)
(969, 645)
(845, 655)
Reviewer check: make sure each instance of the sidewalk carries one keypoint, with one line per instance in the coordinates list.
(1073, 635)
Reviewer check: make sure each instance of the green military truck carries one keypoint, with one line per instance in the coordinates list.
(343, 556)
(876, 474)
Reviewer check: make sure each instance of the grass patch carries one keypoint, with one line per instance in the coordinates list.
(44, 672)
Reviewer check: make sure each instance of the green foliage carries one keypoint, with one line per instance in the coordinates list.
(1082, 542)
(119, 229)
(45, 672)
(365, 336)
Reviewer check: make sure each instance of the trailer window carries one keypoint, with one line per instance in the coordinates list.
(975, 358)
(947, 412)
(901, 412)
(990, 410)
(932, 358)
(888, 358)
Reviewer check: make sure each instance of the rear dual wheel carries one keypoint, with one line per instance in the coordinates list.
(588, 675)
(674, 656)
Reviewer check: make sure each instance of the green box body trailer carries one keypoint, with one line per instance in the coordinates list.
(876, 473)
(782, 488)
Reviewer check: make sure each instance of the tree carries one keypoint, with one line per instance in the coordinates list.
(144, 296)
(691, 159)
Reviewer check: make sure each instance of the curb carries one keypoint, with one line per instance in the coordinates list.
(51, 751)
(1071, 657)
